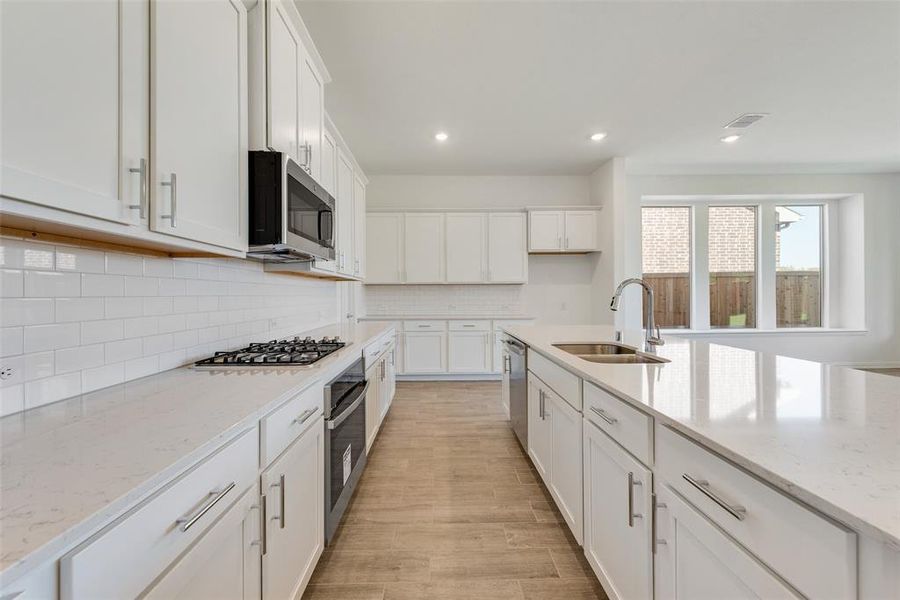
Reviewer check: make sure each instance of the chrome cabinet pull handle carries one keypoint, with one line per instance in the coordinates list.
(214, 496)
(600, 413)
(631, 514)
(304, 416)
(173, 184)
(736, 511)
(263, 524)
(142, 204)
(655, 541)
(280, 516)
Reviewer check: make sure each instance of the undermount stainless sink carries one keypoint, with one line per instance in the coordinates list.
(609, 352)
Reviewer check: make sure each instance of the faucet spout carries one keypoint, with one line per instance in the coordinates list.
(652, 337)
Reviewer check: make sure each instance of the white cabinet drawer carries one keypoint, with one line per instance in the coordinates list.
(560, 381)
(282, 426)
(625, 424)
(425, 325)
(124, 558)
(373, 351)
(470, 325)
(812, 553)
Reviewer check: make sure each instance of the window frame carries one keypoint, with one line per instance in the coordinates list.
(765, 293)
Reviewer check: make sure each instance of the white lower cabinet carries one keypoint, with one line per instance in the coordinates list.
(373, 374)
(565, 464)
(469, 352)
(424, 351)
(617, 519)
(294, 501)
(224, 564)
(695, 560)
(539, 435)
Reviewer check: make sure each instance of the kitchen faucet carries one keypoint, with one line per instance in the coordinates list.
(650, 340)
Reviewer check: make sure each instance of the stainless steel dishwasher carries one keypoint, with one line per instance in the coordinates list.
(516, 387)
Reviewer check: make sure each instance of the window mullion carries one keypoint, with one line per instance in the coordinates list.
(765, 267)
(700, 267)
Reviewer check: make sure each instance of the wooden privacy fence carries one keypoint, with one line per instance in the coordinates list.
(798, 299)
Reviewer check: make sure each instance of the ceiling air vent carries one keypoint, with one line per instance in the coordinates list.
(745, 120)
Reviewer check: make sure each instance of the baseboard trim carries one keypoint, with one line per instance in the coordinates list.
(452, 377)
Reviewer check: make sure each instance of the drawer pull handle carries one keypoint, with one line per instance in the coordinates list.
(468, 326)
(600, 413)
(736, 511)
(214, 496)
(631, 514)
(424, 326)
(304, 416)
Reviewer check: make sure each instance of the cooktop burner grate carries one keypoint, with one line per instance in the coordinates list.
(297, 351)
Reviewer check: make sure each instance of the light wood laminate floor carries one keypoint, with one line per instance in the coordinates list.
(450, 508)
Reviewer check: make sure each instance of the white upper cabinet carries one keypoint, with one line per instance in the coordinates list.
(198, 175)
(359, 226)
(466, 247)
(345, 214)
(329, 162)
(507, 257)
(285, 55)
(312, 116)
(424, 248)
(563, 231)
(74, 80)
(384, 247)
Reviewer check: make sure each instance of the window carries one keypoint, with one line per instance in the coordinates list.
(798, 266)
(732, 266)
(725, 263)
(666, 257)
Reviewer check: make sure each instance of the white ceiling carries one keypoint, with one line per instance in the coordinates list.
(519, 86)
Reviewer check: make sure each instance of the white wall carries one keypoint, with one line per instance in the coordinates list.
(880, 345)
(559, 288)
(77, 319)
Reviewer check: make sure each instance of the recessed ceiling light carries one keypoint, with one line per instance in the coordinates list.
(441, 136)
(599, 136)
(730, 139)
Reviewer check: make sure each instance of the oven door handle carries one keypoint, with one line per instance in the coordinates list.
(343, 416)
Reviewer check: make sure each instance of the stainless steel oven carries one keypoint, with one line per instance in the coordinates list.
(345, 441)
(291, 216)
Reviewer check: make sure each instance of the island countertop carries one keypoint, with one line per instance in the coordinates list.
(827, 435)
(70, 467)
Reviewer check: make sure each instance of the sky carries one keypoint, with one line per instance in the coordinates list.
(800, 245)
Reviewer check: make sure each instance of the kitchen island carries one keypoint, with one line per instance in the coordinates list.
(823, 440)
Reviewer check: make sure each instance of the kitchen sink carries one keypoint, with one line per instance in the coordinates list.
(610, 352)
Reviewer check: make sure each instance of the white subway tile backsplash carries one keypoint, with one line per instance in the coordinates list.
(102, 331)
(51, 389)
(460, 300)
(82, 260)
(116, 308)
(11, 341)
(51, 337)
(12, 283)
(51, 284)
(26, 311)
(80, 358)
(124, 264)
(141, 286)
(78, 309)
(76, 319)
(102, 285)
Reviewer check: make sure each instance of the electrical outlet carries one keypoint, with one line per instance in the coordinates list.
(6, 373)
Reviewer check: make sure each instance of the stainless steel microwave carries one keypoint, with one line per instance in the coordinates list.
(291, 216)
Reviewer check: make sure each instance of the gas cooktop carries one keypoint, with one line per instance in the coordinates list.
(294, 352)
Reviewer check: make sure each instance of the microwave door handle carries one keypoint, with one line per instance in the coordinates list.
(333, 423)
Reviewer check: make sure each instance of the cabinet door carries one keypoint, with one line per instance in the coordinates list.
(359, 226)
(344, 213)
(546, 230)
(696, 561)
(75, 86)
(617, 517)
(565, 461)
(424, 248)
(384, 388)
(469, 352)
(312, 115)
(384, 247)
(199, 118)
(425, 352)
(507, 248)
(373, 376)
(284, 54)
(539, 440)
(392, 374)
(466, 247)
(294, 492)
(581, 230)
(224, 564)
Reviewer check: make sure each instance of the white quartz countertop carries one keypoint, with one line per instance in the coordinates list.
(68, 468)
(447, 317)
(827, 435)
